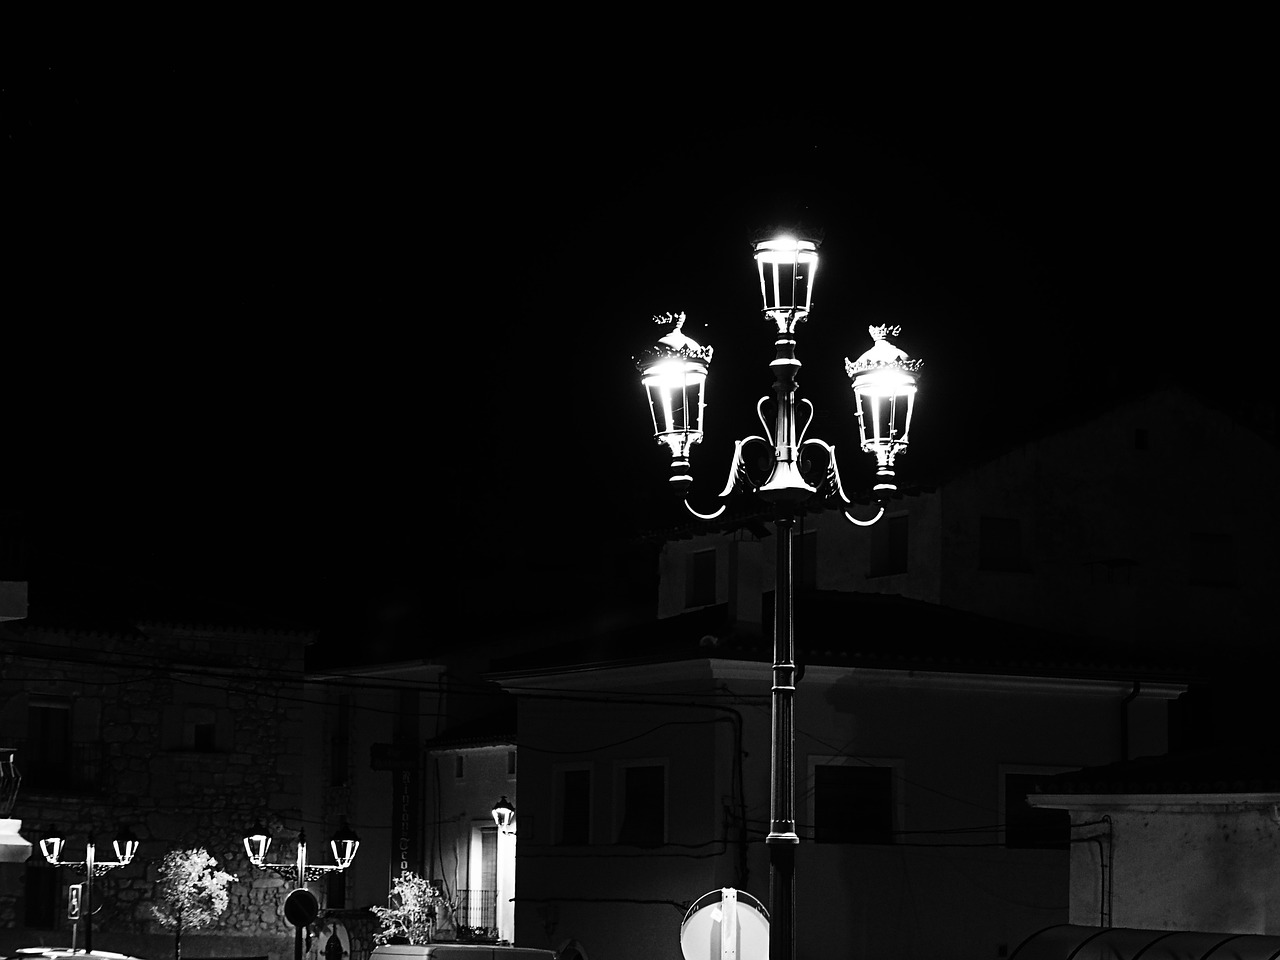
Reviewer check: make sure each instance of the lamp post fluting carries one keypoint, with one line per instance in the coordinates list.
(125, 846)
(675, 373)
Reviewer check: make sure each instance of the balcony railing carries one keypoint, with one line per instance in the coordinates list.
(478, 911)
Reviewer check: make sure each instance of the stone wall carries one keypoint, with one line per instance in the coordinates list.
(188, 736)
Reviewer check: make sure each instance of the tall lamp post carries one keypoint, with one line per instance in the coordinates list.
(301, 907)
(674, 373)
(125, 846)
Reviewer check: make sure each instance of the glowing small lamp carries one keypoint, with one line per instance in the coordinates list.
(787, 269)
(51, 846)
(504, 814)
(344, 844)
(257, 844)
(674, 372)
(125, 845)
(884, 381)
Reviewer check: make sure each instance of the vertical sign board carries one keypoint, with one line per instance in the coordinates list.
(406, 820)
(73, 902)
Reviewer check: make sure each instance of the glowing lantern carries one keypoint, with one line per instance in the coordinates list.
(787, 268)
(674, 373)
(884, 380)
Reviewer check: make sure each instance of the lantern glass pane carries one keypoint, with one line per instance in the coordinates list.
(886, 398)
(676, 399)
(787, 268)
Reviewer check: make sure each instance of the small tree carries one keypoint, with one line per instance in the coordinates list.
(191, 892)
(414, 904)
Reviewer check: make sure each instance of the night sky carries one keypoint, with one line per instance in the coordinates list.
(338, 341)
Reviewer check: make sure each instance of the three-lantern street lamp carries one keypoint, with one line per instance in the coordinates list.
(799, 468)
(125, 846)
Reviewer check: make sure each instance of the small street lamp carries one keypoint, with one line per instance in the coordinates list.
(675, 374)
(301, 907)
(504, 815)
(125, 845)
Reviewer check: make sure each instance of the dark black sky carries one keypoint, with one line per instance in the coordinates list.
(342, 337)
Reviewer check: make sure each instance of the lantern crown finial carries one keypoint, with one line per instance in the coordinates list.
(882, 354)
(675, 345)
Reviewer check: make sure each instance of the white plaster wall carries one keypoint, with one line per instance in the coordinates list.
(1182, 866)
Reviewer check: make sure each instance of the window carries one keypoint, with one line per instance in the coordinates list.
(854, 802)
(889, 547)
(340, 744)
(573, 806)
(1000, 544)
(459, 767)
(200, 729)
(511, 763)
(335, 890)
(1027, 827)
(644, 805)
(47, 760)
(700, 583)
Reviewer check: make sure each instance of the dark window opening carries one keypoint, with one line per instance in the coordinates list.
(459, 767)
(889, 547)
(204, 737)
(340, 745)
(47, 760)
(700, 586)
(1027, 827)
(335, 890)
(852, 804)
(573, 821)
(644, 802)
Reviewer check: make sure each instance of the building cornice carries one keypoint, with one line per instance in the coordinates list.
(1268, 800)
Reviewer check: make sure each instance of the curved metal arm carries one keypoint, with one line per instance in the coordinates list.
(833, 489)
(735, 482)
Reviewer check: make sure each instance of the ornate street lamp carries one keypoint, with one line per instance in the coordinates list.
(674, 371)
(675, 374)
(125, 846)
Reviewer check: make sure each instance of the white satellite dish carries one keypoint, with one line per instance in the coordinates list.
(725, 924)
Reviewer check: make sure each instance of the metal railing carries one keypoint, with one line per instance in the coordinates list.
(478, 909)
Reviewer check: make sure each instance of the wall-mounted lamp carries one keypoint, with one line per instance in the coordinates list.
(504, 815)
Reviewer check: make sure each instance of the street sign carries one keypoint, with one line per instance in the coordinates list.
(73, 901)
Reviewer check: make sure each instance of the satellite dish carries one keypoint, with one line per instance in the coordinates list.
(725, 924)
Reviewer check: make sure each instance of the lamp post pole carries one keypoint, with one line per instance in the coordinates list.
(675, 373)
(783, 839)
